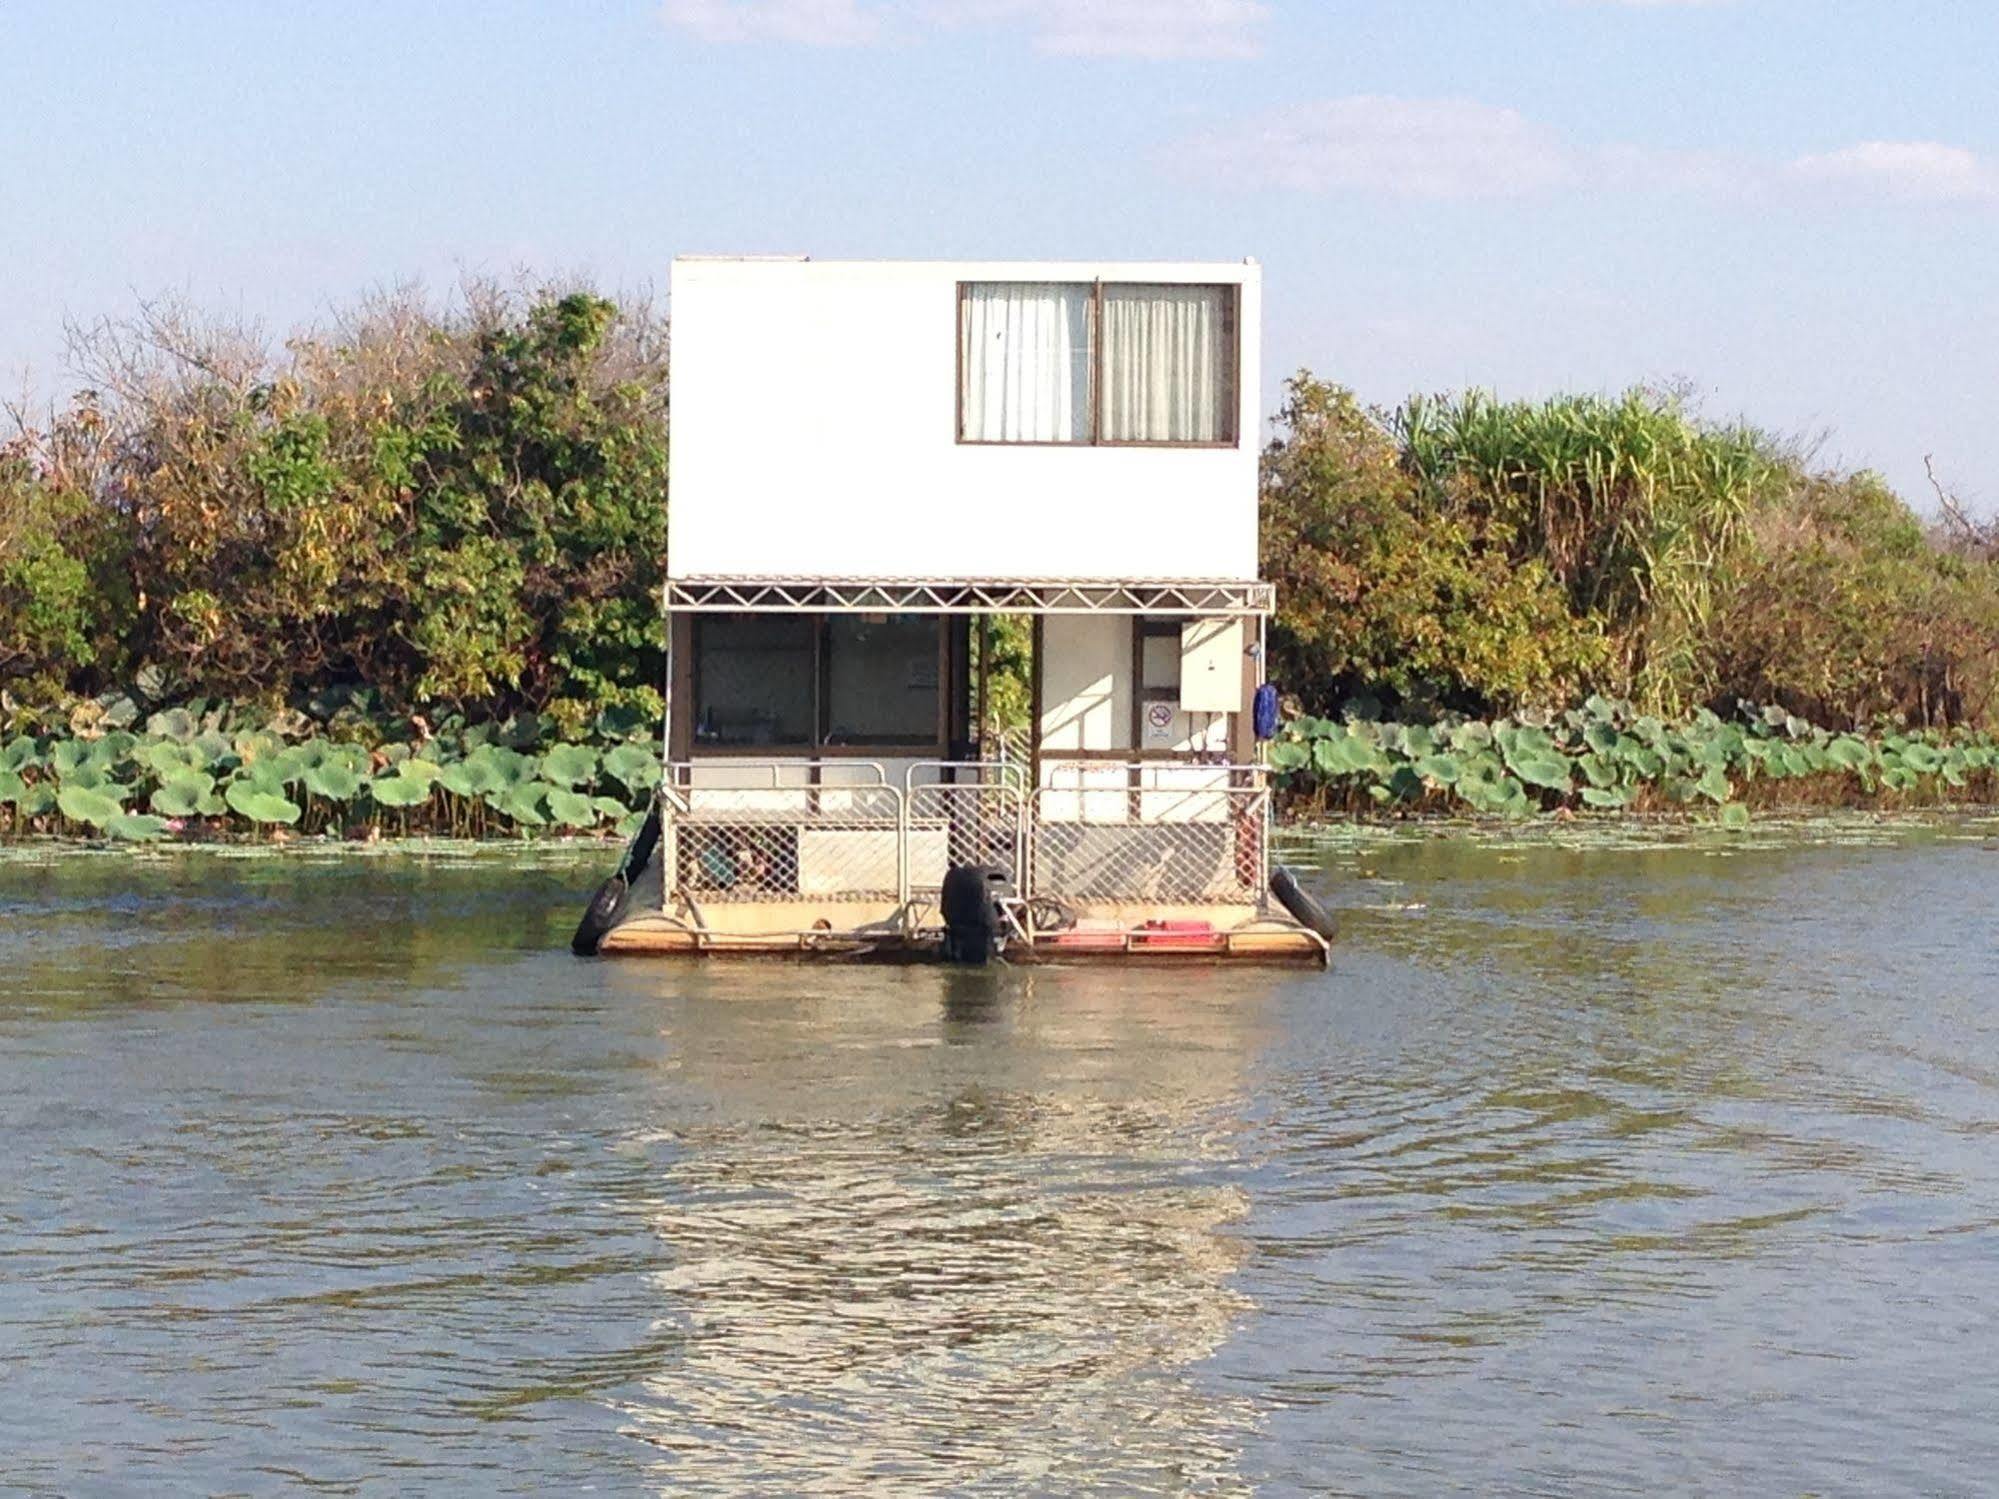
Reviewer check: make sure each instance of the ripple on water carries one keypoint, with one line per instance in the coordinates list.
(1617, 1168)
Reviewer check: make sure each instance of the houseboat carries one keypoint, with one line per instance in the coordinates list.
(879, 472)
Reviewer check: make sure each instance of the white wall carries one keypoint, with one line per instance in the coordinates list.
(1085, 683)
(1086, 687)
(815, 409)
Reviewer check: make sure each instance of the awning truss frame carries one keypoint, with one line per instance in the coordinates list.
(1198, 598)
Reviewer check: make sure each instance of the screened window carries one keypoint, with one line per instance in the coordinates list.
(881, 680)
(808, 682)
(1048, 362)
(753, 679)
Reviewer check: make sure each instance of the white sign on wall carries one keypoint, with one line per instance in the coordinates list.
(1211, 652)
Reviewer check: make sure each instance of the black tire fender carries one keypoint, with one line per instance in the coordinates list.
(1305, 907)
(605, 907)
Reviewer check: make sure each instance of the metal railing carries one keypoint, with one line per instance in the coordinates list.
(978, 816)
(1160, 833)
(785, 774)
(1094, 832)
(786, 842)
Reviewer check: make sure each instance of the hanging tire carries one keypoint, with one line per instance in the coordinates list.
(1304, 907)
(605, 907)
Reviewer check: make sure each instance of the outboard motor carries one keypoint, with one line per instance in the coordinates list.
(974, 923)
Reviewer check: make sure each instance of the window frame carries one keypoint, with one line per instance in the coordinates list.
(1231, 373)
(699, 626)
(817, 746)
(823, 728)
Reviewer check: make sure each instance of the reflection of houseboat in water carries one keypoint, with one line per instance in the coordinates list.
(857, 496)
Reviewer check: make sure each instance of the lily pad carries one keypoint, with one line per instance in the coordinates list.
(190, 793)
(1922, 759)
(86, 804)
(332, 781)
(1444, 770)
(1472, 735)
(247, 800)
(526, 804)
(1547, 770)
(37, 801)
(571, 809)
(398, 790)
(1286, 756)
(636, 767)
(1713, 784)
(1598, 770)
(175, 724)
(68, 756)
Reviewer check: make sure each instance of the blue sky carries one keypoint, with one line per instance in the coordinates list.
(1791, 204)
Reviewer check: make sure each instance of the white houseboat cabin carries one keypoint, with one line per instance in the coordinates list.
(872, 464)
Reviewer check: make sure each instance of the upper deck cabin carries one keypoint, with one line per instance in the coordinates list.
(870, 460)
(963, 421)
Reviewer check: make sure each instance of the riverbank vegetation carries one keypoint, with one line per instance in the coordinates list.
(402, 575)
(1486, 558)
(1608, 756)
(462, 511)
(207, 771)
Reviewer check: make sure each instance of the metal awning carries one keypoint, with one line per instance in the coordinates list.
(1201, 598)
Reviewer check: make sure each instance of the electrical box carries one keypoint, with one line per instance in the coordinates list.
(1211, 674)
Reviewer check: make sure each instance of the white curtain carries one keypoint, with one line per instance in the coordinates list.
(1027, 362)
(1165, 364)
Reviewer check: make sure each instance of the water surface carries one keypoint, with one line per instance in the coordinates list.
(1605, 1165)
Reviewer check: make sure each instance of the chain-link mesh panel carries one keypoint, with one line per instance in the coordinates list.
(812, 843)
(971, 822)
(1106, 839)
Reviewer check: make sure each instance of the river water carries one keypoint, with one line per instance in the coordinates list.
(1596, 1165)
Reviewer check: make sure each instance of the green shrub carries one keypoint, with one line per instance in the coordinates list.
(1489, 556)
(1384, 592)
(1629, 503)
(461, 512)
(65, 607)
(1841, 608)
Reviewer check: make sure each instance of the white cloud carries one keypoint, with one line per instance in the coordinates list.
(1084, 28)
(1121, 28)
(1906, 169)
(812, 23)
(1458, 148)
(1414, 148)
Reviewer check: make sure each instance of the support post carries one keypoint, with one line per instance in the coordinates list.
(985, 623)
(666, 699)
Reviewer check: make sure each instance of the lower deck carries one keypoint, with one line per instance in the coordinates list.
(839, 757)
(1159, 936)
(1167, 862)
